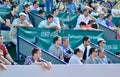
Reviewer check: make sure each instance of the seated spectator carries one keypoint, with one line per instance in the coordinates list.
(118, 53)
(101, 58)
(3, 66)
(36, 59)
(86, 17)
(72, 7)
(21, 21)
(109, 22)
(35, 6)
(85, 47)
(68, 52)
(42, 14)
(4, 55)
(76, 57)
(5, 4)
(95, 11)
(82, 26)
(48, 23)
(56, 48)
(10, 17)
(115, 11)
(62, 6)
(100, 20)
(102, 5)
(101, 43)
(92, 56)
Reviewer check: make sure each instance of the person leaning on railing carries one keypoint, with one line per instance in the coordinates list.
(36, 59)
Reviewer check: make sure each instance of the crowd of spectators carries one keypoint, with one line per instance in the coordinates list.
(105, 10)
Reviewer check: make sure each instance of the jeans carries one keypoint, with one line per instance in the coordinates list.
(49, 5)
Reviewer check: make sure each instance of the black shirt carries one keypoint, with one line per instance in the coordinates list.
(11, 17)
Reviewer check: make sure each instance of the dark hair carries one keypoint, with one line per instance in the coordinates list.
(95, 26)
(56, 39)
(99, 42)
(85, 10)
(117, 53)
(35, 50)
(54, 10)
(49, 16)
(76, 51)
(82, 23)
(4, 0)
(41, 11)
(35, 2)
(25, 6)
(85, 38)
(14, 6)
(108, 15)
(92, 50)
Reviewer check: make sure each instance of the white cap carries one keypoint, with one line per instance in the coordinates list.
(22, 14)
(101, 39)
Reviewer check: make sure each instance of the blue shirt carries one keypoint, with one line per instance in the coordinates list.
(29, 60)
(72, 7)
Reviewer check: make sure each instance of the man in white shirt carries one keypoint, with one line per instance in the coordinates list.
(85, 47)
(115, 11)
(86, 17)
(77, 57)
(56, 20)
(48, 23)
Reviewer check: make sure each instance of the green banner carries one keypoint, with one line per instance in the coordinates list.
(45, 36)
(113, 45)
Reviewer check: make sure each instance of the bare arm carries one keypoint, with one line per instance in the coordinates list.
(5, 61)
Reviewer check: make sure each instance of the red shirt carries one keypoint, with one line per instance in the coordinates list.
(4, 49)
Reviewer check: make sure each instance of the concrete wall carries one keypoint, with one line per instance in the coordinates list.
(62, 71)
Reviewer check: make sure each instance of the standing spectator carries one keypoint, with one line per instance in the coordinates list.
(100, 20)
(85, 47)
(86, 17)
(92, 56)
(56, 20)
(109, 22)
(56, 49)
(72, 7)
(42, 14)
(36, 59)
(10, 17)
(4, 55)
(5, 4)
(77, 57)
(102, 59)
(48, 23)
(101, 43)
(21, 21)
(109, 5)
(35, 6)
(27, 12)
(68, 52)
(49, 5)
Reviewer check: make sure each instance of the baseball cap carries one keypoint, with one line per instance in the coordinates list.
(101, 39)
(22, 14)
